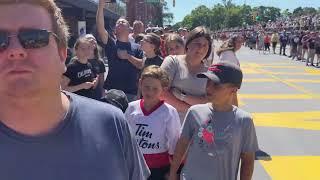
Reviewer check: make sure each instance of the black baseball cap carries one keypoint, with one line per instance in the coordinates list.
(117, 98)
(222, 73)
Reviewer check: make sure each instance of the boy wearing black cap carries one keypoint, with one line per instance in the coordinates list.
(217, 135)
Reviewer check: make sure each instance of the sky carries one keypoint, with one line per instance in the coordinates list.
(184, 7)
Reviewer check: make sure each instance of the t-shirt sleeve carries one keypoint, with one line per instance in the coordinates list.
(137, 167)
(250, 142)
(70, 72)
(173, 130)
(169, 65)
(102, 68)
(138, 53)
(188, 125)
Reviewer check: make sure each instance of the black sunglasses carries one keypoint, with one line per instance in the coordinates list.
(28, 38)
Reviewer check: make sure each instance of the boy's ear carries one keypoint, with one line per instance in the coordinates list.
(166, 88)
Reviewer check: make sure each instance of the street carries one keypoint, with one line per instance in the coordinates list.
(283, 97)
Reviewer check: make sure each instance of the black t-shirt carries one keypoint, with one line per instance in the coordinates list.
(122, 74)
(79, 73)
(99, 68)
(157, 60)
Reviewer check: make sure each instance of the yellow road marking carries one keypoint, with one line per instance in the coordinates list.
(284, 67)
(283, 73)
(260, 80)
(277, 96)
(288, 80)
(293, 167)
(303, 80)
(298, 120)
(312, 70)
(267, 64)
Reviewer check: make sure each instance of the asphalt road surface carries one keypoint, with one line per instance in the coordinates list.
(283, 97)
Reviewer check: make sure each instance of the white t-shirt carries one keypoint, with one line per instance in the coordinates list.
(156, 131)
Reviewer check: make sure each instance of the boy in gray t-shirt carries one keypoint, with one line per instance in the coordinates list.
(217, 135)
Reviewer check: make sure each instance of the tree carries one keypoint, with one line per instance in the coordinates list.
(309, 10)
(167, 16)
(286, 13)
(297, 11)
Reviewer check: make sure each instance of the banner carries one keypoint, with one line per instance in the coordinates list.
(82, 28)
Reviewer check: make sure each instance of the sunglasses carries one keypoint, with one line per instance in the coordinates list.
(28, 38)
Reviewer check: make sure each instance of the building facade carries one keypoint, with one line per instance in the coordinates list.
(147, 11)
(81, 15)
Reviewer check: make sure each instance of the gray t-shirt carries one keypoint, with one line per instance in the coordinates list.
(92, 142)
(184, 80)
(217, 140)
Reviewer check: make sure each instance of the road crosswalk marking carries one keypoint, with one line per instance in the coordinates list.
(293, 167)
(298, 120)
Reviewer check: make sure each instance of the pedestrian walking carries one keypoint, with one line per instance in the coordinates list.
(217, 135)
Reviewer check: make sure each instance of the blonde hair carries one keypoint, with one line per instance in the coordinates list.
(155, 72)
(59, 25)
(81, 40)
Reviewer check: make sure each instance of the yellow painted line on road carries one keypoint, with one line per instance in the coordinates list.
(283, 73)
(312, 70)
(250, 71)
(260, 80)
(293, 167)
(288, 80)
(303, 80)
(277, 96)
(283, 67)
(267, 64)
(297, 120)
(290, 84)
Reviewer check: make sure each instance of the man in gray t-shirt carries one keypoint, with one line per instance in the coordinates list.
(217, 135)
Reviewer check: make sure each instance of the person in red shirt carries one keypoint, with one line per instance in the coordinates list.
(267, 41)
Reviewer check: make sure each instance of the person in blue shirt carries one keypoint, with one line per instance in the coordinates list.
(124, 61)
(46, 133)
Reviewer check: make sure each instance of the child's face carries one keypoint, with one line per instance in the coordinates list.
(84, 50)
(151, 89)
(175, 48)
(147, 46)
(219, 93)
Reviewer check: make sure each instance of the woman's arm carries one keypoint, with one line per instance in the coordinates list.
(65, 85)
(175, 102)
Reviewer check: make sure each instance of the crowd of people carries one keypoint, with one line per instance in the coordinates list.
(165, 110)
(298, 45)
(295, 37)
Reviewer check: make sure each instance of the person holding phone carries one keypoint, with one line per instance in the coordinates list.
(80, 77)
(123, 60)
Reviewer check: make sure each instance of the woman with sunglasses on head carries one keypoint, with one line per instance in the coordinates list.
(80, 77)
(98, 65)
(185, 88)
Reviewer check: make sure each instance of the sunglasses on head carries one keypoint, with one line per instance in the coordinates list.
(28, 38)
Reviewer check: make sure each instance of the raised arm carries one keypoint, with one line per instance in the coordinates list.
(100, 22)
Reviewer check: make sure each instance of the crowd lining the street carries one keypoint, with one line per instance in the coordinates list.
(165, 110)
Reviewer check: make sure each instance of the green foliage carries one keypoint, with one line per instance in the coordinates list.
(228, 15)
